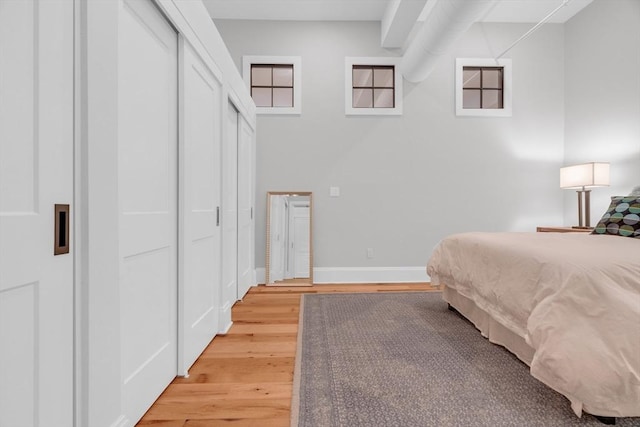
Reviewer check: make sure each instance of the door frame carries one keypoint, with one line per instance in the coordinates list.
(80, 397)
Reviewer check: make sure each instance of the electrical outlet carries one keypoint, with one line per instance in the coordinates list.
(369, 253)
(334, 191)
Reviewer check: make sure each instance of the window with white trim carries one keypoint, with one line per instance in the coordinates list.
(274, 83)
(373, 86)
(483, 87)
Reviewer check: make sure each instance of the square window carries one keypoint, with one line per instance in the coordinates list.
(369, 86)
(372, 86)
(483, 87)
(274, 83)
(488, 81)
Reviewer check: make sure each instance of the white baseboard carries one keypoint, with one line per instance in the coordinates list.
(362, 275)
(225, 328)
(225, 319)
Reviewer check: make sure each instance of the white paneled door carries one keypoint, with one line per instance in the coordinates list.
(147, 179)
(36, 172)
(229, 217)
(245, 208)
(201, 201)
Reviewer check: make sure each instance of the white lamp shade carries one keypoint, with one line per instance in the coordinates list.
(585, 175)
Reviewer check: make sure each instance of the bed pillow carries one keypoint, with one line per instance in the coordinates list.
(622, 218)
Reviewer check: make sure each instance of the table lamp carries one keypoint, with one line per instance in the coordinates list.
(582, 178)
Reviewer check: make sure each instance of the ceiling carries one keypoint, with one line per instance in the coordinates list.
(374, 10)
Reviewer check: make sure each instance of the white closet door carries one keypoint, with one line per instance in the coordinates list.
(245, 205)
(201, 199)
(36, 172)
(229, 217)
(147, 172)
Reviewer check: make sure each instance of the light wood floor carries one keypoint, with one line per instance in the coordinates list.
(245, 378)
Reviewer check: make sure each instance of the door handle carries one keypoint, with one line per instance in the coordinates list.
(217, 216)
(61, 229)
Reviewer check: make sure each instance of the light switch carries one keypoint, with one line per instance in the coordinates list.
(334, 191)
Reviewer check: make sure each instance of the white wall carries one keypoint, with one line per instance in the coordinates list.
(602, 85)
(408, 181)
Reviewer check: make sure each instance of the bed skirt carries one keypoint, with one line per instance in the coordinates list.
(488, 326)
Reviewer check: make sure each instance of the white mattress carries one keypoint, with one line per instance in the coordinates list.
(573, 298)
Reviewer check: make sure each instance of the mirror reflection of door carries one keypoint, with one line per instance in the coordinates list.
(289, 239)
(297, 239)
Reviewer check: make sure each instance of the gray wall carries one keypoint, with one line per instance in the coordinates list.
(602, 85)
(406, 182)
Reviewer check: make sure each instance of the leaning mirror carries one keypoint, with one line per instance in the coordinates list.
(289, 254)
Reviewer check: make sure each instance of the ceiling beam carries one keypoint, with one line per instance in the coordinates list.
(398, 21)
(446, 23)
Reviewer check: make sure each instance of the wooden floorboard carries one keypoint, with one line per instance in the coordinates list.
(245, 378)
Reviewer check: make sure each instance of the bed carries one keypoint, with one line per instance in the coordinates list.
(567, 304)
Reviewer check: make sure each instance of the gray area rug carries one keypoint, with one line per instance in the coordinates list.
(403, 359)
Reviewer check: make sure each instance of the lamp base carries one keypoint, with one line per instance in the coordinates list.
(579, 227)
(587, 212)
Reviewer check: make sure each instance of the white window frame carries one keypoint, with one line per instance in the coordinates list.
(506, 110)
(296, 61)
(349, 62)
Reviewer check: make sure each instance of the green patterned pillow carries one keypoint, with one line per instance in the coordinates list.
(622, 218)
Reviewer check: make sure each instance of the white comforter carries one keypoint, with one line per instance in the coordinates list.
(574, 298)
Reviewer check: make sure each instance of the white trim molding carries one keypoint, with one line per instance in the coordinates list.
(349, 62)
(324, 275)
(506, 110)
(296, 61)
(370, 275)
